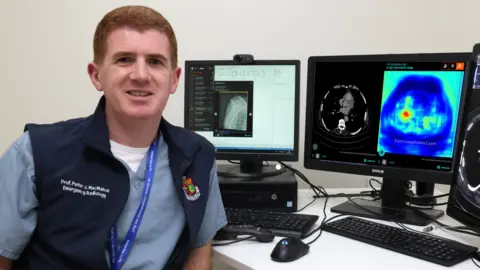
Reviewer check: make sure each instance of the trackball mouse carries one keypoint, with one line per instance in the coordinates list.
(289, 249)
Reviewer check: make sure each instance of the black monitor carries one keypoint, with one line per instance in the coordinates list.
(464, 200)
(248, 111)
(390, 116)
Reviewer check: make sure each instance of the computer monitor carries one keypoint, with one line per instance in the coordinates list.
(391, 116)
(248, 111)
(464, 200)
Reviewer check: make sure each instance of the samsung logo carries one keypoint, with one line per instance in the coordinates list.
(377, 171)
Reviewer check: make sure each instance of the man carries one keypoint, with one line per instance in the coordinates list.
(121, 188)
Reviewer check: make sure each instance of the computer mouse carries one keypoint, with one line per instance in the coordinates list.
(289, 249)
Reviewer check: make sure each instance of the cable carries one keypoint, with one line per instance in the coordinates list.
(372, 193)
(466, 231)
(430, 228)
(412, 199)
(308, 204)
(433, 197)
(427, 204)
(320, 190)
(320, 227)
(231, 242)
(321, 223)
(374, 180)
(316, 189)
(474, 262)
(409, 184)
(428, 217)
(238, 163)
(459, 229)
(233, 162)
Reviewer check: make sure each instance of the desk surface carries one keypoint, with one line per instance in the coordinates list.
(331, 250)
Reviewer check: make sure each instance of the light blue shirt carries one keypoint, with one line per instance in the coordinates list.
(159, 231)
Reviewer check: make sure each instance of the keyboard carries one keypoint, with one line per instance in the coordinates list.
(429, 248)
(279, 223)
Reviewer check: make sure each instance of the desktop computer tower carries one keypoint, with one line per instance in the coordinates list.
(274, 193)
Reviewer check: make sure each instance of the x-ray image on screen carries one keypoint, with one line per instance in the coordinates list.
(343, 110)
(233, 107)
(234, 111)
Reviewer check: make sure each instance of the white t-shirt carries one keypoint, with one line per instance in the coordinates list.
(130, 155)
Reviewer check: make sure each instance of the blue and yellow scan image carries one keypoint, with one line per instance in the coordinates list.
(419, 113)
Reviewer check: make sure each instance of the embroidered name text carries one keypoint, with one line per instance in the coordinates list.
(84, 190)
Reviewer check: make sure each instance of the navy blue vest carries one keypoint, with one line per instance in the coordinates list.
(71, 229)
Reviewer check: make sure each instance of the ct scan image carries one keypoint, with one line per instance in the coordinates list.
(343, 111)
(468, 180)
(233, 111)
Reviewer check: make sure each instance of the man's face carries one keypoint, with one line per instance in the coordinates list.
(136, 75)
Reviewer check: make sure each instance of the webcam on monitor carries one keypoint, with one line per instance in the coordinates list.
(243, 59)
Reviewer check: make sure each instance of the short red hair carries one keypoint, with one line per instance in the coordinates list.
(136, 17)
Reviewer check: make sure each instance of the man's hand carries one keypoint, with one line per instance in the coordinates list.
(5, 264)
(200, 258)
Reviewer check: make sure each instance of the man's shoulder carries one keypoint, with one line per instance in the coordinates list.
(50, 137)
(62, 125)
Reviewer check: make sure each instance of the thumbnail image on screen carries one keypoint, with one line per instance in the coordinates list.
(419, 113)
(233, 108)
(234, 111)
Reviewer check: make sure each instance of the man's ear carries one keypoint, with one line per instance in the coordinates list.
(93, 73)
(176, 78)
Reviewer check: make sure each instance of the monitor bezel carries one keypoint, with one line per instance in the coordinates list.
(372, 170)
(232, 155)
(453, 207)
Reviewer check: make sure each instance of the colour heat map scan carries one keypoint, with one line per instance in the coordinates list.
(419, 113)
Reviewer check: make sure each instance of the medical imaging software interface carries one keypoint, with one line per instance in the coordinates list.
(390, 114)
(243, 108)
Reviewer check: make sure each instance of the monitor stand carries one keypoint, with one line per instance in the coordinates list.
(391, 207)
(424, 193)
(251, 168)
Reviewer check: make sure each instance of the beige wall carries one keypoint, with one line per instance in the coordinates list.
(46, 46)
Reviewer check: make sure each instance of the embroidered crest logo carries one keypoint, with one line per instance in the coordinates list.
(191, 191)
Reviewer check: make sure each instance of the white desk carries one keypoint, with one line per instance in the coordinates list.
(331, 251)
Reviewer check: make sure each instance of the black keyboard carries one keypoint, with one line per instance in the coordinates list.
(436, 250)
(279, 223)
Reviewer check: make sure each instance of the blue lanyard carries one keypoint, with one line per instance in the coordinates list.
(119, 255)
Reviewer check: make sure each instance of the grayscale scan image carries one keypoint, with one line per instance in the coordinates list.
(234, 111)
